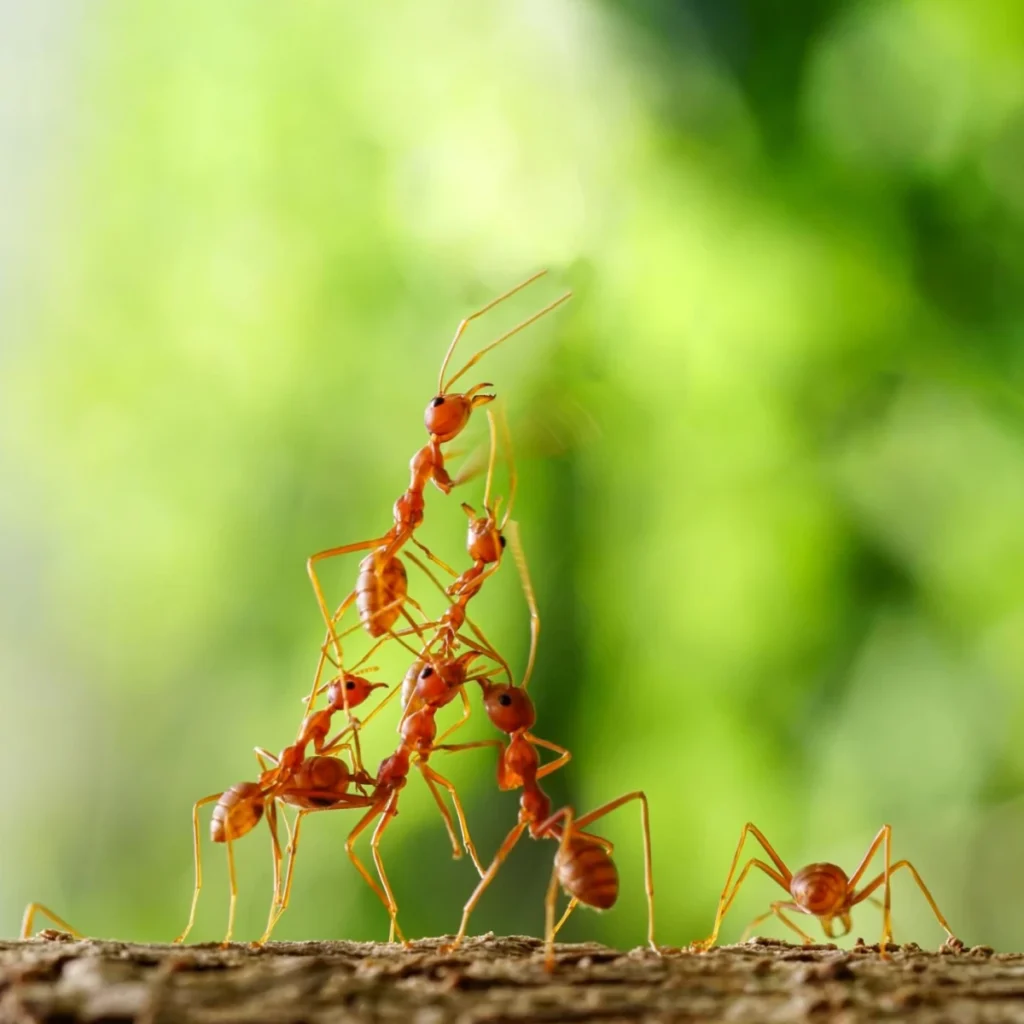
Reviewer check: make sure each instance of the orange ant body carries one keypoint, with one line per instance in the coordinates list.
(382, 586)
(241, 807)
(583, 865)
(822, 890)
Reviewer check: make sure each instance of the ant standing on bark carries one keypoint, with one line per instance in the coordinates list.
(821, 890)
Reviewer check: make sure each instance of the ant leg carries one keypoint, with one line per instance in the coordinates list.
(573, 903)
(445, 814)
(473, 316)
(37, 908)
(884, 836)
(776, 910)
(361, 826)
(332, 636)
(466, 709)
(451, 748)
(233, 882)
(865, 893)
(385, 820)
(552, 766)
(784, 877)
(198, 862)
(551, 900)
(320, 556)
(531, 599)
(645, 819)
(459, 812)
(281, 904)
(262, 756)
(430, 554)
(499, 858)
(275, 852)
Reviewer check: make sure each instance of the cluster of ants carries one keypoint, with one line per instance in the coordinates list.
(323, 772)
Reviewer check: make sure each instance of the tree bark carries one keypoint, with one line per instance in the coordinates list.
(501, 980)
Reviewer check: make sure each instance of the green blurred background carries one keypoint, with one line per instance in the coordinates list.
(771, 456)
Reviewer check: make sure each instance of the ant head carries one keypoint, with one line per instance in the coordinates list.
(484, 541)
(508, 707)
(351, 689)
(821, 889)
(447, 415)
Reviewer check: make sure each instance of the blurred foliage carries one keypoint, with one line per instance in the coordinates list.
(771, 457)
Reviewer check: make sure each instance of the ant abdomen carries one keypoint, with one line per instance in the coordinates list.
(820, 888)
(325, 778)
(588, 873)
(380, 592)
(238, 811)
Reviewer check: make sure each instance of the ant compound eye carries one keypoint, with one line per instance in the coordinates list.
(437, 401)
(426, 673)
(504, 700)
(350, 685)
(502, 541)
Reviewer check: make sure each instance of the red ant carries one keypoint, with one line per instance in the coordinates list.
(583, 864)
(821, 890)
(240, 808)
(382, 585)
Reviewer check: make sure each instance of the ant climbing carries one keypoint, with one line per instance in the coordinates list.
(382, 584)
(240, 808)
(583, 864)
(821, 890)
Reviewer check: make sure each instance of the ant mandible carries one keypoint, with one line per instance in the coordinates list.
(821, 890)
(382, 585)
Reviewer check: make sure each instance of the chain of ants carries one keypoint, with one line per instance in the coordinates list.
(446, 658)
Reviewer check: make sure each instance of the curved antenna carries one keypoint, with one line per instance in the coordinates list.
(508, 334)
(506, 439)
(531, 599)
(473, 316)
(490, 461)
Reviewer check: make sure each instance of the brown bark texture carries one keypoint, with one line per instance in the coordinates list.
(492, 979)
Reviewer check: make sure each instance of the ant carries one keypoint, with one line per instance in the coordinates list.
(821, 890)
(38, 908)
(240, 807)
(382, 585)
(583, 865)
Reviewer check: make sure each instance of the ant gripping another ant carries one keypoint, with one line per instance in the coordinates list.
(822, 890)
(292, 778)
(382, 585)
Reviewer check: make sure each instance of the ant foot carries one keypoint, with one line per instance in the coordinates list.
(701, 945)
(951, 945)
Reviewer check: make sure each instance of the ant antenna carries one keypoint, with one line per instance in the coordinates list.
(508, 334)
(490, 462)
(506, 438)
(473, 316)
(531, 599)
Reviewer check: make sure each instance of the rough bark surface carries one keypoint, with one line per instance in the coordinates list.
(501, 980)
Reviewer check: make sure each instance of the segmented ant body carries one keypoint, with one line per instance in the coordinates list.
(583, 864)
(241, 807)
(822, 890)
(382, 585)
